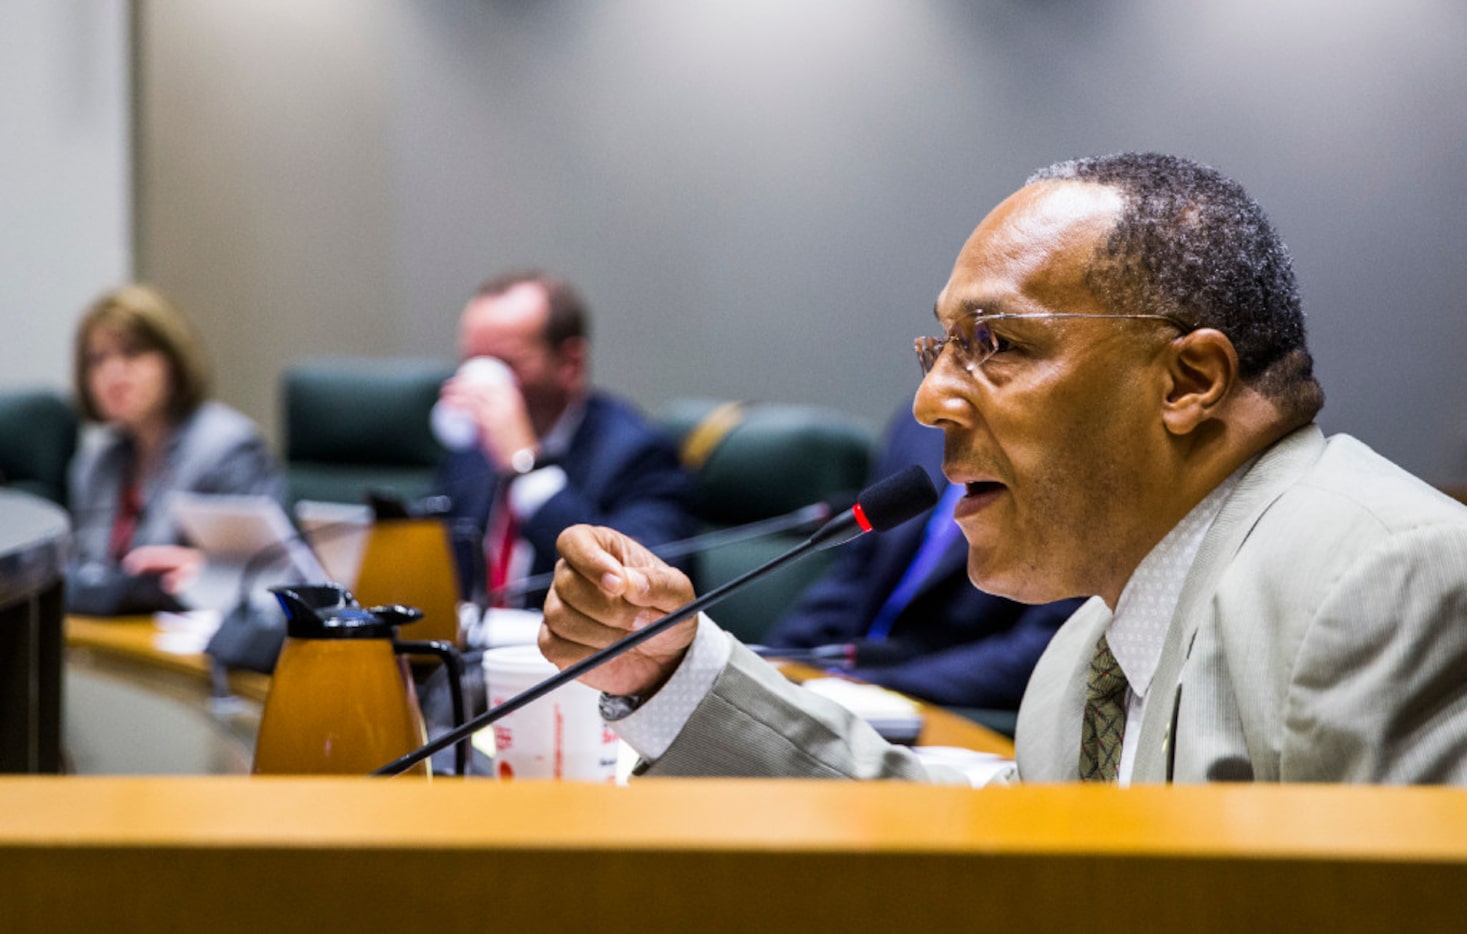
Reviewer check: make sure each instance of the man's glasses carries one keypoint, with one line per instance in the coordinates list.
(974, 341)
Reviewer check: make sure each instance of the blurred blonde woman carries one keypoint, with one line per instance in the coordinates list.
(142, 381)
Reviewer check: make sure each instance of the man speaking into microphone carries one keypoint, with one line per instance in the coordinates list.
(536, 449)
(902, 613)
(1127, 399)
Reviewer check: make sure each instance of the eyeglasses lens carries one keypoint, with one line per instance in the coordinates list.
(973, 339)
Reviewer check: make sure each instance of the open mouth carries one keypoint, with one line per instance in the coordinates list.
(981, 487)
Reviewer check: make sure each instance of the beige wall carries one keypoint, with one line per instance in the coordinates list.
(65, 205)
(262, 183)
(761, 198)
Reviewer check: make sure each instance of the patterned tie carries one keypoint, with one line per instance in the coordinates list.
(1105, 717)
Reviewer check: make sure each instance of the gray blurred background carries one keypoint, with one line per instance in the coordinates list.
(760, 199)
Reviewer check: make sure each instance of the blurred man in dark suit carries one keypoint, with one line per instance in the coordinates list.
(547, 450)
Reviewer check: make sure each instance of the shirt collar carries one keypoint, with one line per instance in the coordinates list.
(1143, 614)
(557, 440)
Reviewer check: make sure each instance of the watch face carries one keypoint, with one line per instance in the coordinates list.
(617, 706)
(523, 460)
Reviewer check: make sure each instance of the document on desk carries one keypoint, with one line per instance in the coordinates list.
(897, 718)
(185, 633)
(338, 533)
(247, 543)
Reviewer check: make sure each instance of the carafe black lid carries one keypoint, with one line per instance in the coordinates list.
(329, 611)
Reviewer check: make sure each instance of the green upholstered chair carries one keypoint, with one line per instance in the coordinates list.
(37, 438)
(754, 461)
(354, 424)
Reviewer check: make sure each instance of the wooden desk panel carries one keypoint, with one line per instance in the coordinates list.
(163, 717)
(33, 539)
(715, 855)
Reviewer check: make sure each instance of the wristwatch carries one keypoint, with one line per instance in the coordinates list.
(524, 460)
(619, 706)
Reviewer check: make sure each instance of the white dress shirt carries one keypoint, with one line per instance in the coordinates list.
(1137, 630)
(526, 493)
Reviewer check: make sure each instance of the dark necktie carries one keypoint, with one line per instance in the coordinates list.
(1104, 724)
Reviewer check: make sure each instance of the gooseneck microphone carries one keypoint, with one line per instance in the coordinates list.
(881, 506)
(804, 517)
(858, 653)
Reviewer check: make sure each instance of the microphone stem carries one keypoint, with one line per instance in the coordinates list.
(794, 520)
(708, 541)
(569, 674)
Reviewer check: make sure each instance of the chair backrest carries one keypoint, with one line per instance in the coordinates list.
(37, 438)
(354, 424)
(755, 461)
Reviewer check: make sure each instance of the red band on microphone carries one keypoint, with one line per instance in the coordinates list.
(861, 519)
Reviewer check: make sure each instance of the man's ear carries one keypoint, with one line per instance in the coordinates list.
(1202, 370)
(574, 360)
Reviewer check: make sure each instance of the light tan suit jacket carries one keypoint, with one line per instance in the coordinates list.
(1321, 636)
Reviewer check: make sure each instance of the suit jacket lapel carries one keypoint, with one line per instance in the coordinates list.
(1276, 469)
(1047, 740)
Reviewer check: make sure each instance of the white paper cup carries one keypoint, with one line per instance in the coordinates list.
(559, 736)
(507, 626)
(454, 428)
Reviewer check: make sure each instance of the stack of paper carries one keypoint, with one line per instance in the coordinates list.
(898, 719)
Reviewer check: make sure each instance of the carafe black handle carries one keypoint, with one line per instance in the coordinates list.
(453, 661)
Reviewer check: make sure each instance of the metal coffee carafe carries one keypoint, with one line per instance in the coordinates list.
(342, 699)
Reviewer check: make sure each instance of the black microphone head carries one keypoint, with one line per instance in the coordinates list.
(904, 495)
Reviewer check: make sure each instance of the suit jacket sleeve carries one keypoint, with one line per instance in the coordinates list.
(755, 723)
(622, 474)
(648, 503)
(244, 467)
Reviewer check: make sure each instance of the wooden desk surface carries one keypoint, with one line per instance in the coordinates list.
(713, 855)
(133, 641)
